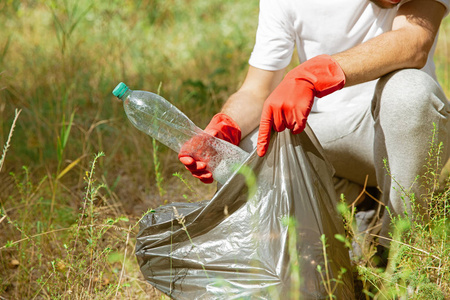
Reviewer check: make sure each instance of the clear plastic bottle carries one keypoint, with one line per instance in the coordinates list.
(155, 116)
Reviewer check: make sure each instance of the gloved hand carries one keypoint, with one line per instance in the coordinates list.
(195, 153)
(288, 106)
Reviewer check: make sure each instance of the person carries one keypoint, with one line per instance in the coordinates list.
(366, 86)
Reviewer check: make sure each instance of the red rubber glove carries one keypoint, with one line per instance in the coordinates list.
(288, 106)
(195, 153)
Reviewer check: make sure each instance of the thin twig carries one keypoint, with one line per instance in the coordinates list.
(5, 149)
(123, 262)
(61, 229)
(88, 193)
(412, 247)
(41, 288)
(364, 191)
(181, 220)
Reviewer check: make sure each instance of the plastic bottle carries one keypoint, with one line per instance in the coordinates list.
(155, 116)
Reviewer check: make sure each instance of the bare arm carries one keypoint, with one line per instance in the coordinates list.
(245, 106)
(406, 46)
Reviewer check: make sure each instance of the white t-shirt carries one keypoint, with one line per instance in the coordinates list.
(322, 27)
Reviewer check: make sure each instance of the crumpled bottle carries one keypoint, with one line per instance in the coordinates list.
(155, 116)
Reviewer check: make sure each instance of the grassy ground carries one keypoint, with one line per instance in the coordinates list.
(69, 214)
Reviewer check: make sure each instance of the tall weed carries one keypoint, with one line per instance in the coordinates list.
(418, 264)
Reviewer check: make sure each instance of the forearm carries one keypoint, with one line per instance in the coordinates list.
(379, 56)
(245, 106)
(245, 109)
(406, 46)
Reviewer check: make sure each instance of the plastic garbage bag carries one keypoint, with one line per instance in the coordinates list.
(238, 245)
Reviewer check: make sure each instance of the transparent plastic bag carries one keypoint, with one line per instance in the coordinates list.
(238, 245)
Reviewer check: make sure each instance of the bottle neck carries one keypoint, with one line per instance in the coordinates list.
(125, 95)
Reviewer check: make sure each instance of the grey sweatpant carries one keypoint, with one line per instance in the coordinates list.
(397, 127)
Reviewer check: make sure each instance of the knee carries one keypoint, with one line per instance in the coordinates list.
(409, 93)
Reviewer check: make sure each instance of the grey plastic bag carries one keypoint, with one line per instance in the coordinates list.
(238, 245)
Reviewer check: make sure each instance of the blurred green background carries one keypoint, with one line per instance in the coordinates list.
(59, 58)
(59, 62)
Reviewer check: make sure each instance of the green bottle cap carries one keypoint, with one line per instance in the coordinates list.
(120, 89)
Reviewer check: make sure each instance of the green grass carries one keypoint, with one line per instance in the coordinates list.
(67, 231)
(442, 56)
(69, 215)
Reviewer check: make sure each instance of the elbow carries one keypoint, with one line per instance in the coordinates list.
(420, 59)
(415, 48)
(419, 56)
